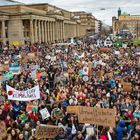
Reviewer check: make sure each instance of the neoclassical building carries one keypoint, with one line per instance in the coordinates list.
(38, 23)
(126, 22)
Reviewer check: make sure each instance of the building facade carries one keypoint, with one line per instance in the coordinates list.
(38, 23)
(86, 18)
(126, 22)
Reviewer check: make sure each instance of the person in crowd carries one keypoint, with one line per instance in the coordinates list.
(70, 75)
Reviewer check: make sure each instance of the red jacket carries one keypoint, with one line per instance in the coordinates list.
(103, 137)
(34, 117)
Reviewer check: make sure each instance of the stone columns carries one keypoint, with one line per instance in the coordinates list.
(51, 26)
(59, 31)
(3, 32)
(42, 30)
(31, 31)
(63, 31)
(15, 30)
(39, 32)
(48, 29)
(53, 31)
(35, 28)
(56, 31)
(45, 32)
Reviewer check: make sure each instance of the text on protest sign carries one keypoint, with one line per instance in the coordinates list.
(45, 113)
(48, 131)
(90, 115)
(28, 95)
(72, 109)
(127, 87)
(98, 116)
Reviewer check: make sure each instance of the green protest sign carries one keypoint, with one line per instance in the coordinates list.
(8, 75)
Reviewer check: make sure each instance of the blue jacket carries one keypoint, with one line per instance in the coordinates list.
(120, 130)
(17, 109)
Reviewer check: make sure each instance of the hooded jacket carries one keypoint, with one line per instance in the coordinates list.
(120, 130)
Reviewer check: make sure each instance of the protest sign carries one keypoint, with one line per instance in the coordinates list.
(35, 67)
(117, 52)
(15, 43)
(28, 95)
(4, 67)
(8, 75)
(105, 50)
(127, 87)
(16, 57)
(109, 75)
(85, 70)
(31, 55)
(90, 131)
(72, 109)
(31, 107)
(24, 67)
(3, 132)
(49, 131)
(33, 74)
(99, 74)
(2, 99)
(14, 68)
(98, 116)
(85, 78)
(45, 113)
(24, 57)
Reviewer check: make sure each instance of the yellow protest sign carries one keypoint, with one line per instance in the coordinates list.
(15, 43)
(48, 131)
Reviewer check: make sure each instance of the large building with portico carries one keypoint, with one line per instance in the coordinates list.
(37, 23)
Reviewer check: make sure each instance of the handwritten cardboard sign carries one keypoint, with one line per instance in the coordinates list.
(72, 109)
(99, 74)
(90, 115)
(49, 131)
(24, 57)
(127, 87)
(110, 75)
(32, 55)
(105, 50)
(4, 67)
(3, 132)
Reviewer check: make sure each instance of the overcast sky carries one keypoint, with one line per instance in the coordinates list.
(94, 6)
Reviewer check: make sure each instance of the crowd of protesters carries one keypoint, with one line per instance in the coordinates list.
(63, 83)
